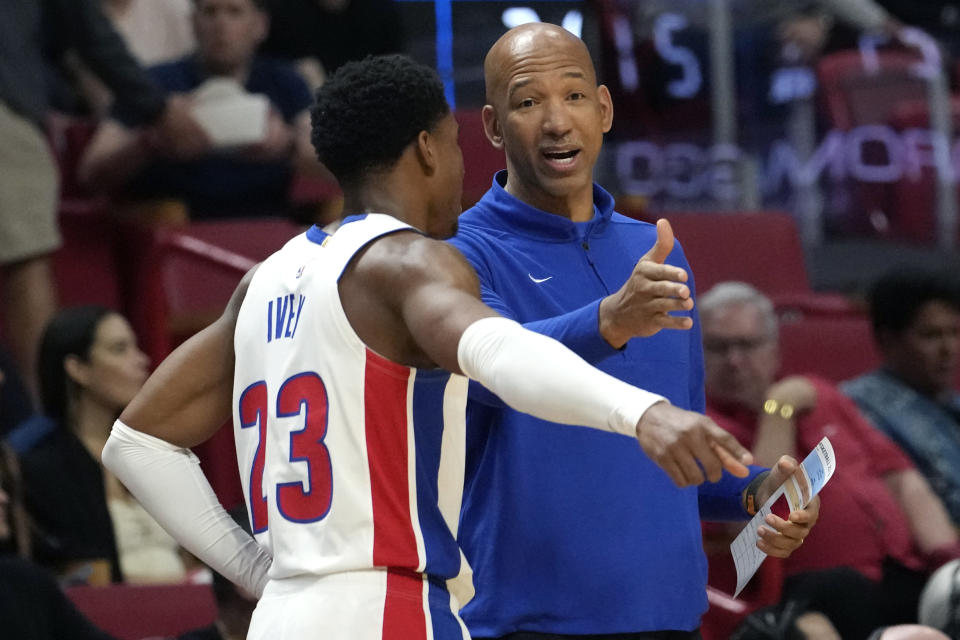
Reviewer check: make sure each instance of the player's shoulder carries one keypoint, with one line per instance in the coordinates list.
(404, 252)
(292, 249)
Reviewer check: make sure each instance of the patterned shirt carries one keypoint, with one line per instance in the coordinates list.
(927, 430)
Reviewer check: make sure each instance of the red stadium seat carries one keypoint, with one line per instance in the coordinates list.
(180, 278)
(723, 616)
(761, 248)
(913, 198)
(131, 612)
(835, 346)
(69, 137)
(892, 94)
(725, 613)
(86, 267)
(854, 95)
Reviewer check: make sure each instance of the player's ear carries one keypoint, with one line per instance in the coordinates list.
(606, 107)
(491, 127)
(426, 152)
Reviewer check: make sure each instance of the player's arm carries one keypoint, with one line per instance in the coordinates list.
(183, 403)
(190, 394)
(436, 292)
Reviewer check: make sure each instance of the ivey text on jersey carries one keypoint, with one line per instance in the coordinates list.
(282, 320)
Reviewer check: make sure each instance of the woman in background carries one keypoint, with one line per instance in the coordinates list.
(87, 527)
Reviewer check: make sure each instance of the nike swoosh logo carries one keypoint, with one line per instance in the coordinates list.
(538, 280)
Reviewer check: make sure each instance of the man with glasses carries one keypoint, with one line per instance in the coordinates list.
(884, 521)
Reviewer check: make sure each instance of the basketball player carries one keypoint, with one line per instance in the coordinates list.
(349, 433)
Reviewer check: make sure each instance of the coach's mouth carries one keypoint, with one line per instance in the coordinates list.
(561, 159)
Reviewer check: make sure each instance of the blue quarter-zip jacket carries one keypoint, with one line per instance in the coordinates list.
(572, 530)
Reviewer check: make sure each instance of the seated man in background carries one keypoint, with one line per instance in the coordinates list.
(912, 397)
(251, 150)
(884, 521)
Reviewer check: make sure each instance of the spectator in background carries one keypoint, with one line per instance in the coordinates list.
(224, 178)
(912, 397)
(33, 33)
(884, 521)
(88, 526)
(321, 35)
(155, 31)
(32, 606)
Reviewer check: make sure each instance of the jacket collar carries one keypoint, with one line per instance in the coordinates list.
(508, 212)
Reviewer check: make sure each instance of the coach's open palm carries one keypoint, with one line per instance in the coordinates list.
(642, 306)
(677, 439)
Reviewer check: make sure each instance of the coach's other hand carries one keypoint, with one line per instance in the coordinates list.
(677, 440)
(778, 537)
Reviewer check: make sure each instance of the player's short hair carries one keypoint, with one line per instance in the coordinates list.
(368, 111)
(897, 296)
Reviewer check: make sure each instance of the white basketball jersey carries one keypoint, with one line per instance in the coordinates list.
(349, 461)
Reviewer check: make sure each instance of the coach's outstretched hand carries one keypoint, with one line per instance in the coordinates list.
(641, 306)
(677, 440)
(778, 537)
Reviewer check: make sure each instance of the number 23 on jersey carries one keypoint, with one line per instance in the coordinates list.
(303, 395)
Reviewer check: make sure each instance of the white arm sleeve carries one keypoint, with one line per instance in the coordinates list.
(537, 375)
(168, 482)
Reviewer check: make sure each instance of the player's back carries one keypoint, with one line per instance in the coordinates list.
(349, 461)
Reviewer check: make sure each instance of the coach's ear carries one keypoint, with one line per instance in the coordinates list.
(491, 127)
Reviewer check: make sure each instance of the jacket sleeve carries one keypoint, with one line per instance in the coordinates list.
(719, 501)
(723, 500)
(578, 330)
(696, 380)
